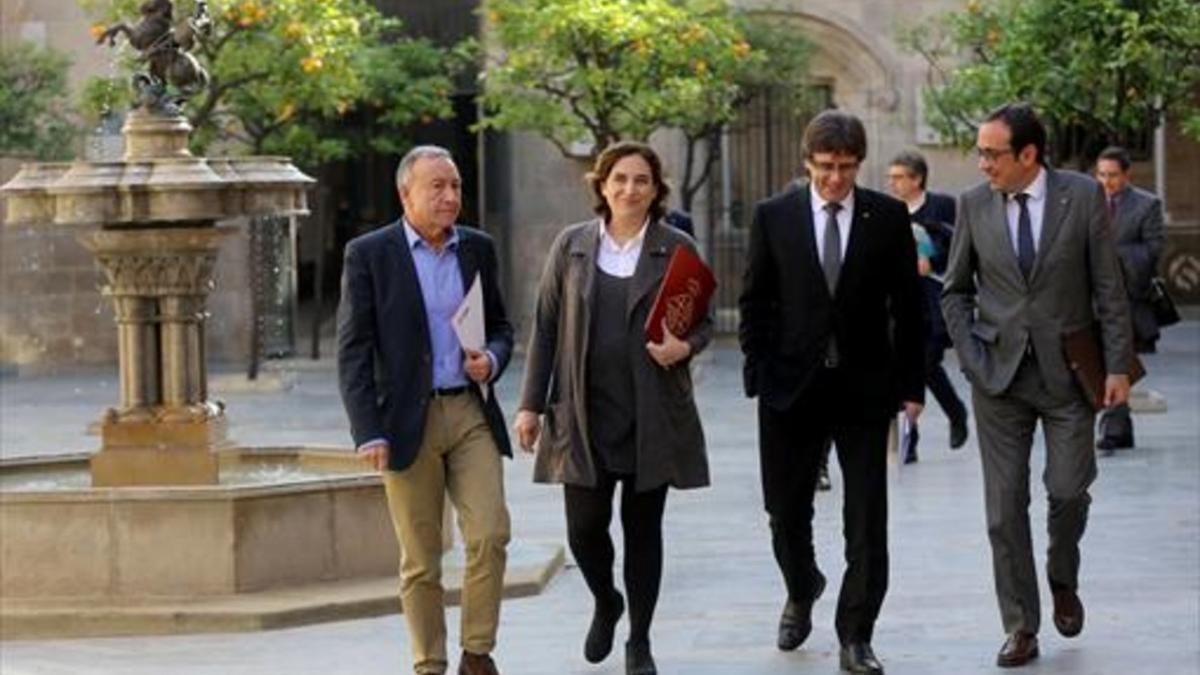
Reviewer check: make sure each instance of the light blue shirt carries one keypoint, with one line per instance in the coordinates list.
(442, 290)
(440, 279)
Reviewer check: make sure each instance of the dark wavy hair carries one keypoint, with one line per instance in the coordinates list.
(604, 165)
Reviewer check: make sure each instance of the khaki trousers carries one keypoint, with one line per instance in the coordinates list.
(457, 458)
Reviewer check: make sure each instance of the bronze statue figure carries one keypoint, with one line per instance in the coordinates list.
(172, 74)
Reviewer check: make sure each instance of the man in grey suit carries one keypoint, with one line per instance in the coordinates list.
(1032, 259)
(1137, 223)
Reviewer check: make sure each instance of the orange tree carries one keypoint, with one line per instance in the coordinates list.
(286, 76)
(1100, 71)
(586, 73)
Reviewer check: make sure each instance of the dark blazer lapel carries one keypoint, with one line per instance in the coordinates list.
(861, 219)
(1058, 201)
(409, 282)
(468, 263)
(804, 230)
(650, 269)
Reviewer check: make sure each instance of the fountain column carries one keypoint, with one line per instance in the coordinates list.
(165, 431)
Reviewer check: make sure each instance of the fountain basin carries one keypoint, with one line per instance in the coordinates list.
(323, 517)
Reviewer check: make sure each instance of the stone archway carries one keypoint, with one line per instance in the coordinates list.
(860, 68)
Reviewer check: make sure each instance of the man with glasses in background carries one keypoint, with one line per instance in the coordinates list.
(1032, 260)
(832, 334)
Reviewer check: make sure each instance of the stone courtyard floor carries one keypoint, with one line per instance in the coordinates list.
(721, 593)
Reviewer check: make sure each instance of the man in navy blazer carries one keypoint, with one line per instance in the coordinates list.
(419, 405)
(907, 175)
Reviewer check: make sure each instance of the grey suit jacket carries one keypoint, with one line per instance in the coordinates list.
(669, 438)
(1138, 229)
(992, 312)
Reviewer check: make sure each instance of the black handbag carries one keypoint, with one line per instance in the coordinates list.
(1160, 301)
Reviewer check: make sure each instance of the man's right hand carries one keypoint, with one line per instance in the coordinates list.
(528, 426)
(375, 454)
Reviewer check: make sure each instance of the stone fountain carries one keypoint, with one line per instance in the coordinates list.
(172, 531)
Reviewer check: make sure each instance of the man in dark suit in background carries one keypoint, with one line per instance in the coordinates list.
(1137, 224)
(418, 404)
(832, 335)
(933, 213)
(1032, 260)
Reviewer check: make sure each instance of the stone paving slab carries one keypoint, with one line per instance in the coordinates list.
(721, 592)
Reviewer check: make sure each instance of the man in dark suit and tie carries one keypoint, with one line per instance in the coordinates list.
(419, 405)
(832, 334)
(1032, 259)
(1137, 223)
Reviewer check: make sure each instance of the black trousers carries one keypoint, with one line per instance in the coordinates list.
(589, 513)
(791, 444)
(939, 383)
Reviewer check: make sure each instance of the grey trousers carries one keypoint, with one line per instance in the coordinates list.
(1005, 426)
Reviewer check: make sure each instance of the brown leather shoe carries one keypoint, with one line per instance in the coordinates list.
(1019, 649)
(1068, 612)
(476, 664)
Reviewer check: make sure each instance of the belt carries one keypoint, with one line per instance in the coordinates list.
(450, 391)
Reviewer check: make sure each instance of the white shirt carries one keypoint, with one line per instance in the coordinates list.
(916, 206)
(1037, 211)
(844, 216)
(620, 260)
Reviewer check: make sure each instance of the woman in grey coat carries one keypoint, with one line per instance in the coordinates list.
(616, 408)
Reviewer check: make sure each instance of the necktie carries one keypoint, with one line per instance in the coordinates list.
(831, 252)
(831, 264)
(1112, 207)
(1025, 252)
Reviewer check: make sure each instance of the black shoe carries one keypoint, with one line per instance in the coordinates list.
(599, 642)
(857, 657)
(795, 623)
(959, 432)
(823, 484)
(1111, 443)
(638, 660)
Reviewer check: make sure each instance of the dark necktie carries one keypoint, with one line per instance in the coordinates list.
(1112, 207)
(831, 252)
(831, 264)
(1025, 252)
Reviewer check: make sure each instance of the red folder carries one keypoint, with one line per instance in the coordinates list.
(683, 298)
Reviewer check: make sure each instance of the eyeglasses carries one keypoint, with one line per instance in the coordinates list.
(830, 167)
(990, 155)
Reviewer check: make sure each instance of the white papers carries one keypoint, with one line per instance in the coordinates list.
(468, 323)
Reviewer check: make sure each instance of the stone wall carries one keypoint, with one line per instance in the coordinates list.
(52, 314)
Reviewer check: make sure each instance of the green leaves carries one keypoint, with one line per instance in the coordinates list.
(1101, 71)
(287, 76)
(34, 120)
(601, 71)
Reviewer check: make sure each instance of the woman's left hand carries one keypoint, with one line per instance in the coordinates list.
(670, 351)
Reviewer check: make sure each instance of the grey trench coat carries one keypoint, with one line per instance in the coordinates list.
(669, 438)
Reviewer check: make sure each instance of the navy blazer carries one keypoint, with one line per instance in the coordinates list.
(385, 362)
(937, 216)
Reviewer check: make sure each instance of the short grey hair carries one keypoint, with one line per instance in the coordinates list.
(420, 152)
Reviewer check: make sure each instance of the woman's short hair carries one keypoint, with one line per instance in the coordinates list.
(604, 165)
